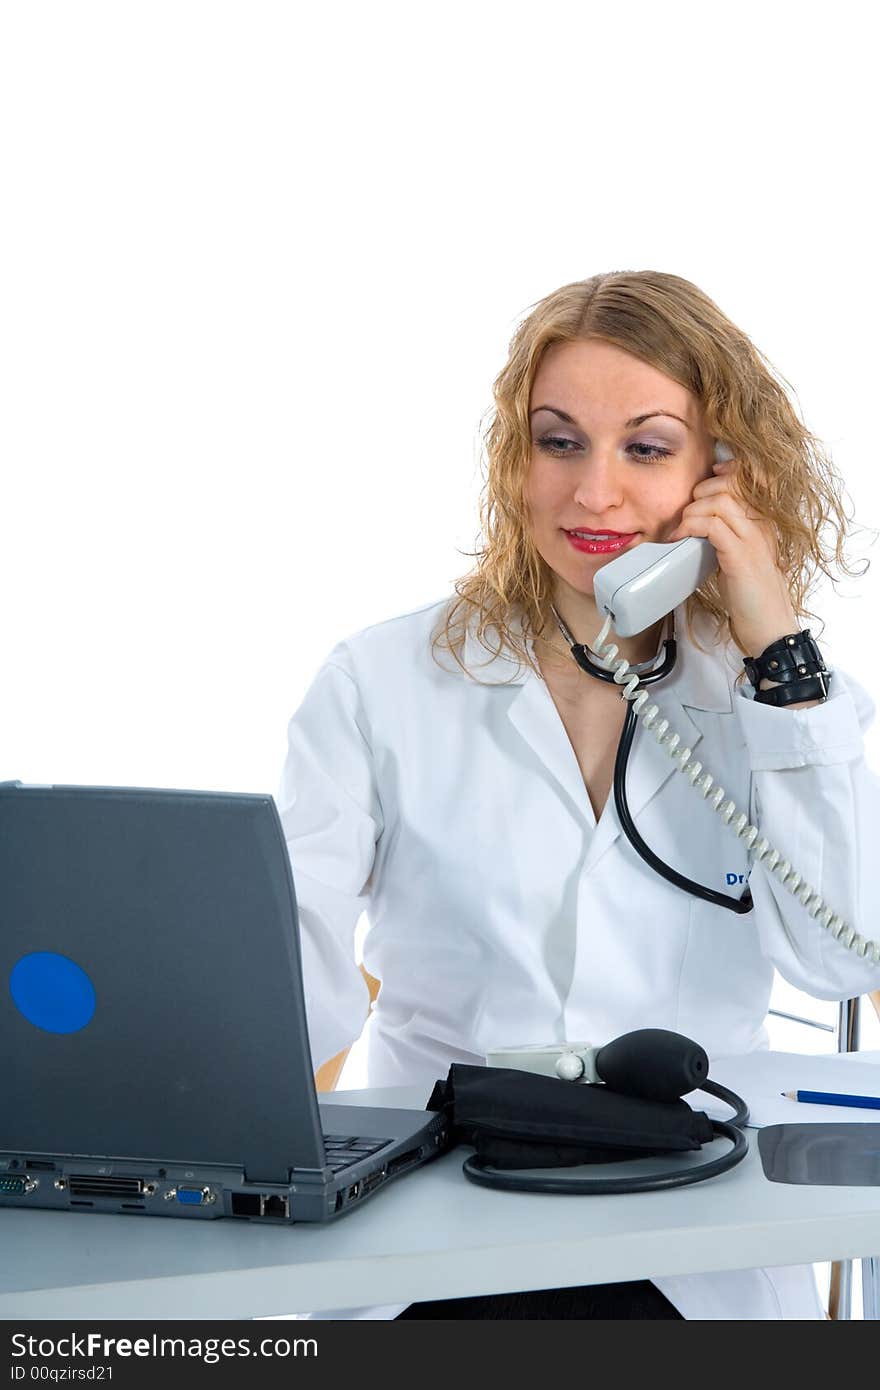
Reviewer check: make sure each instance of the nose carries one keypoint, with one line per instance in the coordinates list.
(599, 484)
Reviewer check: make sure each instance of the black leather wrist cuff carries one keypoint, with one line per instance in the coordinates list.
(810, 688)
(794, 661)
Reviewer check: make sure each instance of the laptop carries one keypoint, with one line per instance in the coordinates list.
(152, 1019)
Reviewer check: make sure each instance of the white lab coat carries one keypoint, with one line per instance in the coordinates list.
(500, 913)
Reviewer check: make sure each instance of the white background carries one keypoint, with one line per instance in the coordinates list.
(259, 263)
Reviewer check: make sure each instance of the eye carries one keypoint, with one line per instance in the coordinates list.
(549, 442)
(654, 452)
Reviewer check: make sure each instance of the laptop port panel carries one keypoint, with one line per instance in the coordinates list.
(269, 1205)
(403, 1160)
(16, 1184)
(93, 1185)
(245, 1204)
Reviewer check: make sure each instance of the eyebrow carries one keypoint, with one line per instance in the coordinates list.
(628, 424)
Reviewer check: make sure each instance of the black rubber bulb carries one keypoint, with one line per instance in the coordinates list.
(652, 1063)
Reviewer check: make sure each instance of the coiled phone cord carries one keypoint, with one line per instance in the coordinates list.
(763, 850)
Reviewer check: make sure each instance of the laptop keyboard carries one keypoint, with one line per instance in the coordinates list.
(344, 1149)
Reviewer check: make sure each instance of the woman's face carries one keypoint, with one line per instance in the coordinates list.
(597, 471)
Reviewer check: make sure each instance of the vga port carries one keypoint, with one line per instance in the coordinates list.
(194, 1196)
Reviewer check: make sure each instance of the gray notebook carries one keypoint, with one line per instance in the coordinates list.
(152, 1019)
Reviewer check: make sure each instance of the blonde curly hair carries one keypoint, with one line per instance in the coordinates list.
(783, 471)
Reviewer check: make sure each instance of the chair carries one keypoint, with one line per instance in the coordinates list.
(840, 1286)
(327, 1076)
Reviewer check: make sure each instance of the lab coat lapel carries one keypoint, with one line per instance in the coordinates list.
(699, 681)
(649, 767)
(536, 718)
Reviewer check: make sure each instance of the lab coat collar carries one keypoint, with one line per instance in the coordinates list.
(700, 681)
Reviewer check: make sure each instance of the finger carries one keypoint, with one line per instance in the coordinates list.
(710, 485)
(748, 530)
(717, 483)
(716, 529)
(704, 511)
(731, 509)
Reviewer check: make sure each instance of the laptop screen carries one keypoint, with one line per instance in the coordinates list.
(151, 1002)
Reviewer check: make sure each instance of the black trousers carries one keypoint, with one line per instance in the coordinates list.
(637, 1299)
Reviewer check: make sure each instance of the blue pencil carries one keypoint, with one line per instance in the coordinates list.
(830, 1098)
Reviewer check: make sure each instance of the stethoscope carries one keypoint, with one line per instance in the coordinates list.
(647, 676)
(544, 1179)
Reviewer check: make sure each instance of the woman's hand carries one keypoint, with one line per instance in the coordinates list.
(752, 587)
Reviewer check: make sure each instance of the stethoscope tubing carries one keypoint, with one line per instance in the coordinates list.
(485, 1174)
(583, 657)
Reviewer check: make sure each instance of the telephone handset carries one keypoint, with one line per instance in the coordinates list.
(634, 590)
(644, 584)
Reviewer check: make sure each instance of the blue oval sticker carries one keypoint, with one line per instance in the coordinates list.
(52, 992)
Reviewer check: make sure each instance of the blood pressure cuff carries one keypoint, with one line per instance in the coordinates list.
(517, 1119)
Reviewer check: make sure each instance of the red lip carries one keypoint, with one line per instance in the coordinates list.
(609, 545)
(606, 535)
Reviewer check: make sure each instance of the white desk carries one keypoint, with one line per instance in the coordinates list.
(432, 1234)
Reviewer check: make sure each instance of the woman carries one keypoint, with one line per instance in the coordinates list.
(449, 770)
